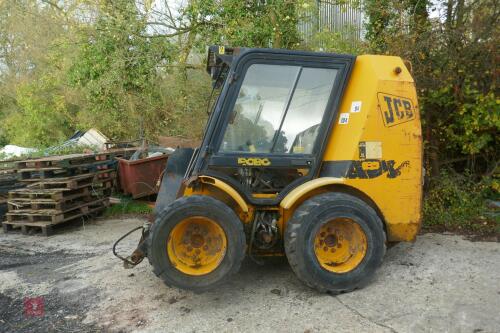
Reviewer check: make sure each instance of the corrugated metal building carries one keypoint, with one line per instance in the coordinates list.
(342, 16)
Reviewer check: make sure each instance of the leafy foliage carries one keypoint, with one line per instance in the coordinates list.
(31, 126)
(36, 108)
(454, 59)
(246, 23)
(459, 202)
(117, 69)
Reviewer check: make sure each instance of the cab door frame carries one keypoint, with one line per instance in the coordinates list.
(216, 129)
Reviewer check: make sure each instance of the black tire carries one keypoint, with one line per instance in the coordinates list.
(179, 210)
(303, 226)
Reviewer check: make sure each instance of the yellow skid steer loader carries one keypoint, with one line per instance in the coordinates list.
(315, 156)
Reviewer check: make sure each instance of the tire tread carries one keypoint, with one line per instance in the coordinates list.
(194, 200)
(301, 216)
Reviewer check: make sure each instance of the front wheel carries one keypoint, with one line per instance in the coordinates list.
(196, 243)
(335, 242)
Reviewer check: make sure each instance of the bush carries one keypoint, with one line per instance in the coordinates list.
(459, 202)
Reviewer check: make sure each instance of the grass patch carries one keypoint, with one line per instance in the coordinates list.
(459, 203)
(128, 206)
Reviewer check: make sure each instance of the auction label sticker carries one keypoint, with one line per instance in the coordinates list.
(344, 118)
(356, 106)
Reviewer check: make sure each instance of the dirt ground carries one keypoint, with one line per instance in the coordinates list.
(440, 283)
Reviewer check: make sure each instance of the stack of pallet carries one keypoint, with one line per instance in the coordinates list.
(61, 189)
(8, 181)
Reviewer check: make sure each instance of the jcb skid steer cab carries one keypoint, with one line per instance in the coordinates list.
(315, 156)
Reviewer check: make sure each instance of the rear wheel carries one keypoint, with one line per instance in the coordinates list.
(335, 242)
(196, 243)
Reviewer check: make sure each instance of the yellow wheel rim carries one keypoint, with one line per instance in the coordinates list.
(340, 245)
(196, 245)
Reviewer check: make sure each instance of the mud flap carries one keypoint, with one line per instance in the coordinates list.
(175, 170)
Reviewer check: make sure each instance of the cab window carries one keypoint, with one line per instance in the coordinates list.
(279, 109)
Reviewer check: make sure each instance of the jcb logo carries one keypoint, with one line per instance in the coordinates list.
(395, 110)
(253, 161)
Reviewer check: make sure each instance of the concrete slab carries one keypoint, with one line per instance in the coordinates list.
(441, 283)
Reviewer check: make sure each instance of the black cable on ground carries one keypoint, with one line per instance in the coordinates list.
(123, 237)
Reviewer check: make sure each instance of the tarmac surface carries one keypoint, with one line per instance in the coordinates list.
(440, 283)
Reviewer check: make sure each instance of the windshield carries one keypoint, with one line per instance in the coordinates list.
(279, 109)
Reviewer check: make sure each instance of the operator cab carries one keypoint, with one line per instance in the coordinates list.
(269, 126)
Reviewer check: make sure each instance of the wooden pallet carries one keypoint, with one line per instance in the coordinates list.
(101, 185)
(62, 161)
(30, 194)
(8, 176)
(73, 160)
(72, 182)
(5, 188)
(9, 164)
(54, 215)
(8, 182)
(45, 162)
(60, 199)
(68, 201)
(47, 227)
(3, 210)
(75, 182)
(46, 173)
(7, 171)
(47, 199)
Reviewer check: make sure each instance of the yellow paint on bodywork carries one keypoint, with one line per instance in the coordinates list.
(226, 189)
(399, 199)
(302, 190)
(264, 195)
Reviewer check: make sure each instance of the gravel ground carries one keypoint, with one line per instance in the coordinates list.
(440, 283)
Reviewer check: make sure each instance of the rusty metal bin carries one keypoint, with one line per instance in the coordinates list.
(138, 178)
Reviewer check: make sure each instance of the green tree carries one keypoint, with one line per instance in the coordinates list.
(45, 117)
(36, 106)
(245, 23)
(453, 58)
(117, 69)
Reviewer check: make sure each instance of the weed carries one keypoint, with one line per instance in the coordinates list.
(128, 206)
(458, 202)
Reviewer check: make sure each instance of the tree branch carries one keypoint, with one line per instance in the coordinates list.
(177, 33)
(52, 4)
